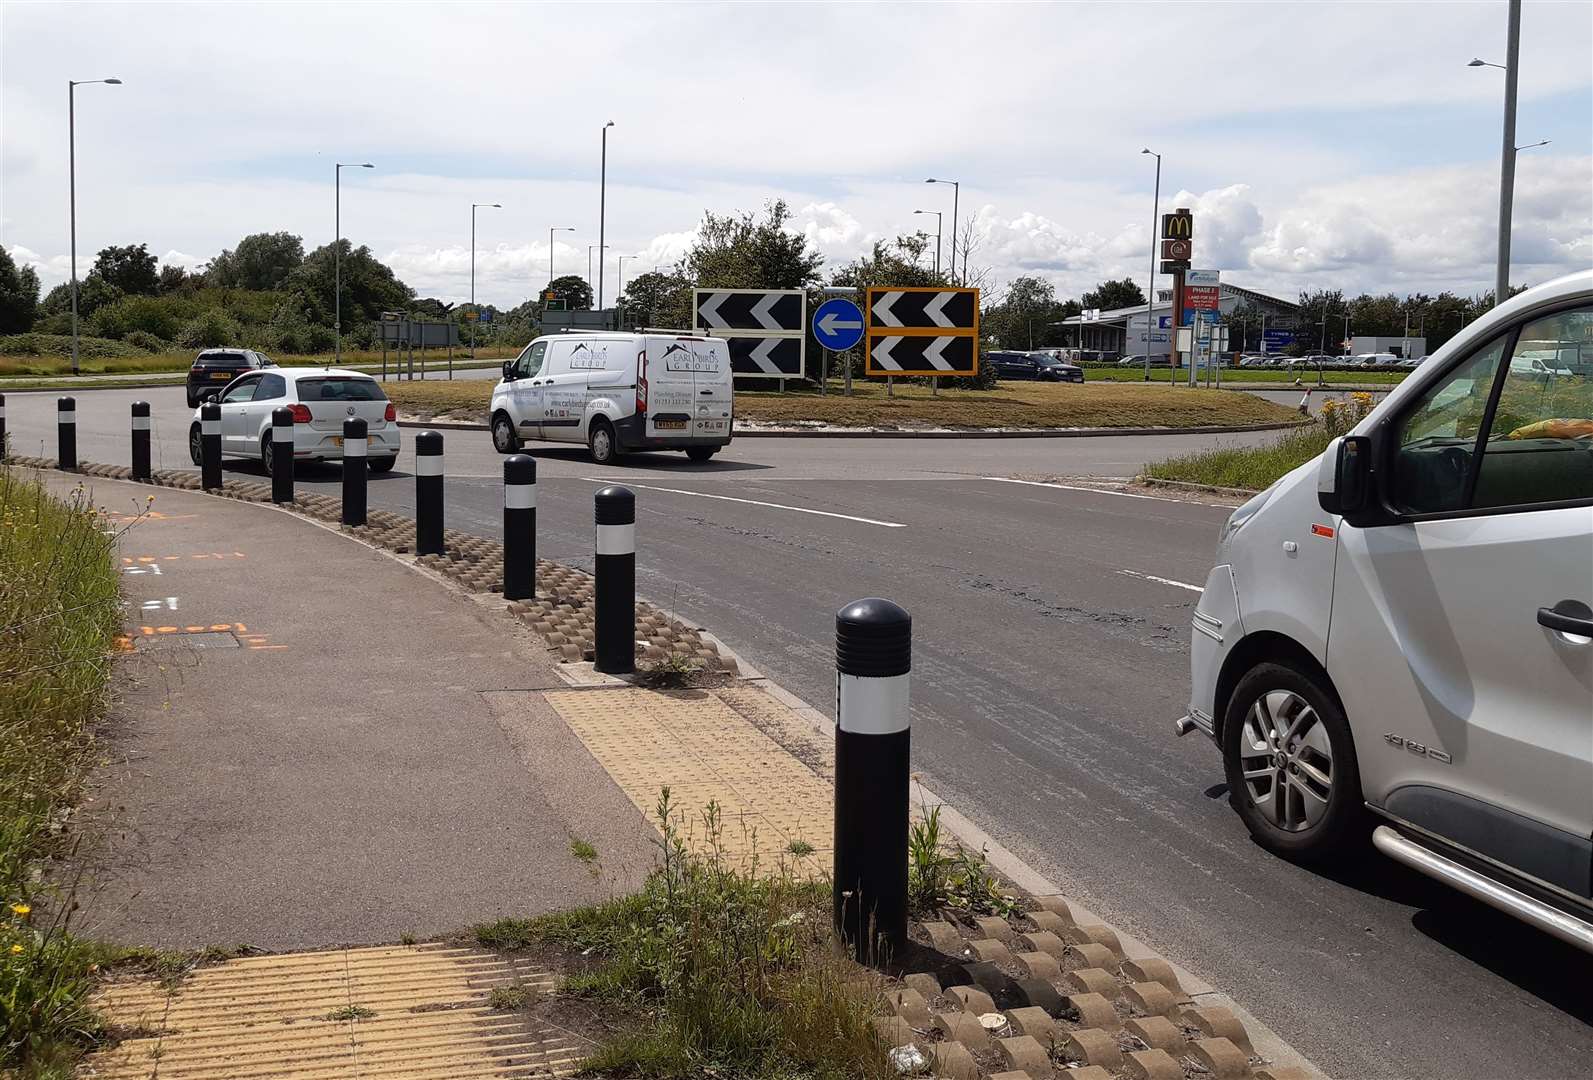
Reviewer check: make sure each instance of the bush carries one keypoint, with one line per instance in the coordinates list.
(209, 329)
(143, 339)
(40, 344)
(160, 316)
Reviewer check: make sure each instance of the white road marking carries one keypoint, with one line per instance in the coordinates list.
(1161, 580)
(755, 502)
(1098, 491)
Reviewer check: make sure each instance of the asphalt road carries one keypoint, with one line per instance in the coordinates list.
(1050, 660)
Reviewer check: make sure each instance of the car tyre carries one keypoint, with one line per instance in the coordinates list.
(505, 439)
(600, 440)
(265, 452)
(196, 445)
(1290, 762)
(383, 464)
(700, 454)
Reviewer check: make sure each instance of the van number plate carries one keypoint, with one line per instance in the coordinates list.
(670, 425)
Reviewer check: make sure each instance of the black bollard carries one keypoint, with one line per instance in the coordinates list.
(873, 655)
(2, 427)
(210, 445)
(429, 493)
(66, 433)
(354, 447)
(614, 590)
(519, 527)
(140, 440)
(282, 455)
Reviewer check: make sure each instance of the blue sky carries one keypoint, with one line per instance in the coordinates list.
(1321, 144)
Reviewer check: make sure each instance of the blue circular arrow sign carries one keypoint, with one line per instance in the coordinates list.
(838, 324)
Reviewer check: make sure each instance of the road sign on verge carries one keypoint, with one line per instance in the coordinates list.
(765, 328)
(1202, 290)
(923, 331)
(838, 324)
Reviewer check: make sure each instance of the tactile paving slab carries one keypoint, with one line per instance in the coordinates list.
(412, 1012)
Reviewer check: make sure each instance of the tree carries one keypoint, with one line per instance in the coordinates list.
(19, 295)
(93, 293)
(658, 299)
(261, 261)
(1111, 295)
(1024, 318)
(740, 252)
(173, 278)
(574, 290)
(369, 288)
(131, 269)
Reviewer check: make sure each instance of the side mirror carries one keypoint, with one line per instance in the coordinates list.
(1344, 479)
(210, 395)
(508, 368)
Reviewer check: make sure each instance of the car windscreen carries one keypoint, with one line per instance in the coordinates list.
(334, 388)
(223, 359)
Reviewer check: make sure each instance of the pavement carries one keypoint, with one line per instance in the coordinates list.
(283, 774)
(1051, 657)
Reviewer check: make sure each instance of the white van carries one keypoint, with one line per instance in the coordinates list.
(1405, 626)
(617, 392)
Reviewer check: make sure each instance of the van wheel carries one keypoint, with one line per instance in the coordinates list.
(196, 445)
(504, 438)
(700, 454)
(600, 440)
(1290, 762)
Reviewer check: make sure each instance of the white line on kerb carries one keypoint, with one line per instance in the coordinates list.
(1094, 491)
(755, 502)
(1162, 580)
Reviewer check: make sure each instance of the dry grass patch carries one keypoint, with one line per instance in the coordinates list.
(1013, 405)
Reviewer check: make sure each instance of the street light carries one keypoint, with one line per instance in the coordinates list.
(556, 228)
(1507, 154)
(473, 208)
(938, 215)
(956, 193)
(589, 249)
(71, 154)
(602, 198)
(1150, 293)
(620, 289)
(337, 254)
(1534, 145)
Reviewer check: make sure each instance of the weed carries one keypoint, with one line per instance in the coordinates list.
(406, 939)
(506, 934)
(509, 998)
(350, 1012)
(582, 851)
(672, 672)
(800, 848)
(958, 878)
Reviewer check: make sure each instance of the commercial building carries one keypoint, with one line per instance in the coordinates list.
(1399, 346)
(1124, 332)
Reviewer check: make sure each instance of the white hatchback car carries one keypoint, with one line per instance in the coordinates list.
(320, 400)
(1404, 627)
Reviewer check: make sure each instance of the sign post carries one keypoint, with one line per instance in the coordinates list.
(1202, 300)
(922, 331)
(838, 326)
(1178, 244)
(765, 329)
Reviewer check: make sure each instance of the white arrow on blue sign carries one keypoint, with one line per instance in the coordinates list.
(838, 324)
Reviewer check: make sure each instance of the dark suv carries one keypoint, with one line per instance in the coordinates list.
(1033, 365)
(214, 368)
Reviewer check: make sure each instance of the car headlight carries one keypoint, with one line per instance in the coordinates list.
(1237, 519)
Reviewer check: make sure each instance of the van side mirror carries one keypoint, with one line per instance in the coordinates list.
(1344, 479)
(508, 370)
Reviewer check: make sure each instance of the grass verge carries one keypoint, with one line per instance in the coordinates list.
(1282, 376)
(1253, 468)
(721, 971)
(159, 363)
(59, 613)
(1012, 405)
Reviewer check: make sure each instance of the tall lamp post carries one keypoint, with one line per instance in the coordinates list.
(477, 320)
(555, 229)
(938, 215)
(956, 194)
(589, 249)
(337, 253)
(1150, 293)
(1507, 152)
(71, 157)
(619, 290)
(602, 206)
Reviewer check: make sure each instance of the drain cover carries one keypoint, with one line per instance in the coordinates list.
(208, 639)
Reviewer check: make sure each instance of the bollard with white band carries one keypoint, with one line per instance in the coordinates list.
(519, 527)
(429, 493)
(210, 445)
(354, 448)
(66, 434)
(873, 741)
(140, 440)
(282, 455)
(614, 587)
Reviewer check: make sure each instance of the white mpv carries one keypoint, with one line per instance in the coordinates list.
(1405, 626)
(617, 392)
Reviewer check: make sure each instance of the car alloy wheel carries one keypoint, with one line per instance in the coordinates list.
(1286, 759)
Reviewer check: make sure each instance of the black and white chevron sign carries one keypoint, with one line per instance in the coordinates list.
(923, 331)
(765, 328)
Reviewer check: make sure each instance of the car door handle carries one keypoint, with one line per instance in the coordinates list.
(1568, 617)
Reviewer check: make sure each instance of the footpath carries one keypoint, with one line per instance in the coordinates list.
(336, 754)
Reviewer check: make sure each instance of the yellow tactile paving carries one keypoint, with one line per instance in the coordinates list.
(422, 1015)
(701, 744)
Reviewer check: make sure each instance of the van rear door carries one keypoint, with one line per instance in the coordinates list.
(714, 397)
(670, 380)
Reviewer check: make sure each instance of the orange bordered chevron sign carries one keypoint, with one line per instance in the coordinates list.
(922, 331)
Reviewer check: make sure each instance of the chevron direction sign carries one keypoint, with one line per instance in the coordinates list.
(765, 329)
(923, 331)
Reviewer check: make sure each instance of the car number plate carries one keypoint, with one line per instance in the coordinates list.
(220, 375)
(337, 440)
(670, 425)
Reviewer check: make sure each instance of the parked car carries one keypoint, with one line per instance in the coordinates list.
(1319, 359)
(616, 392)
(1160, 360)
(320, 400)
(1051, 369)
(1040, 365)
(1376, 359)
(1404, 627)
(213, 369)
